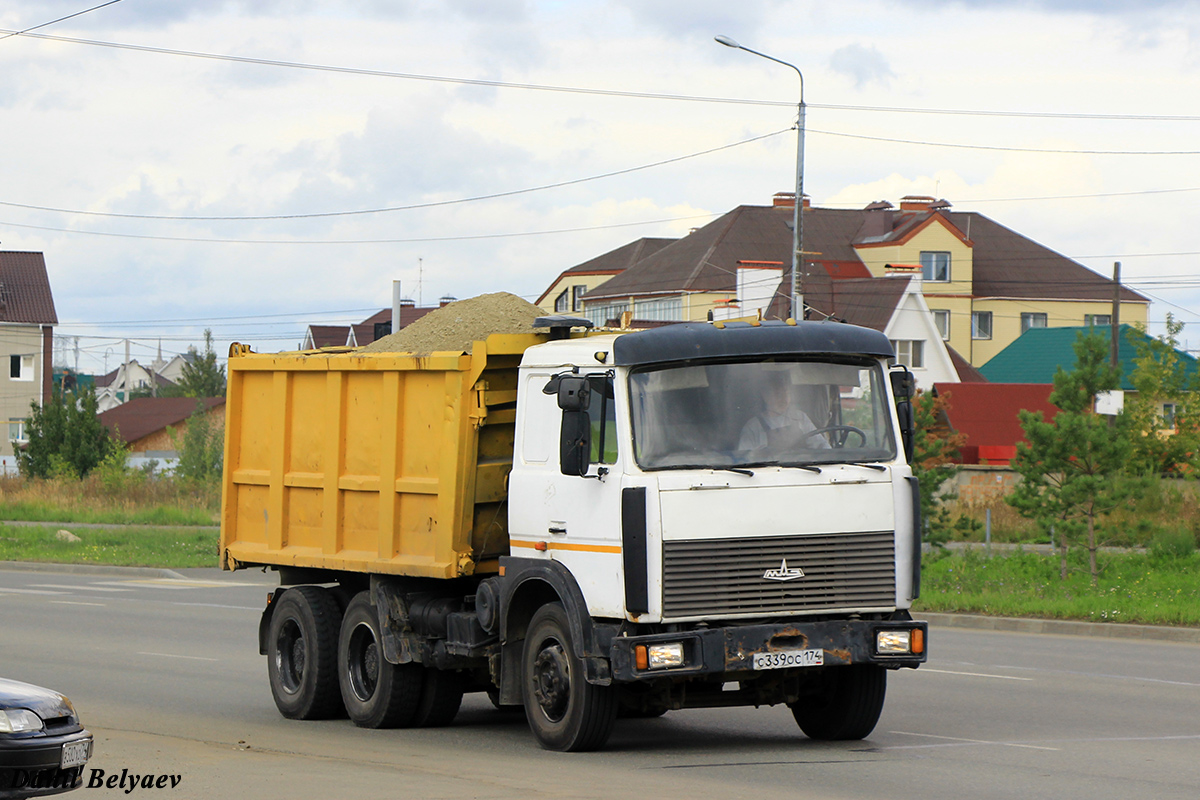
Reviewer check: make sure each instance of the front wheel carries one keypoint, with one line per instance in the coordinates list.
(377, 693)
(565, 712)
(843, 703)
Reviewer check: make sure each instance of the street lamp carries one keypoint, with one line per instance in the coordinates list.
(798, 213)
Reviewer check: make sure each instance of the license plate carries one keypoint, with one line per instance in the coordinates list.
(785, 659)
(76, 753)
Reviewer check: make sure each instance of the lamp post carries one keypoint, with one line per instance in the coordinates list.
(798, 213)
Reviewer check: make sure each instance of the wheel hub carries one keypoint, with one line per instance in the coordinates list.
(552, 681)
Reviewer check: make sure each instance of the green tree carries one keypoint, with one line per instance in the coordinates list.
(65, 436)
(1073, 468)
(934, 448)
(202, 376)
(1161, 375)
(202, 449)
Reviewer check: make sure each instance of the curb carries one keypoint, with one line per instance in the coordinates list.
(1064, 627)
(90, 569)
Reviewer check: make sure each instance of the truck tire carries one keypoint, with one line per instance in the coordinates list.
(565, 712)
(302, 654)
(377, 694)
(441, 696)
(847, 706)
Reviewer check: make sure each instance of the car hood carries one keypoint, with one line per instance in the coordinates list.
(43, 702)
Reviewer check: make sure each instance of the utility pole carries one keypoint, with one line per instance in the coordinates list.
(1116, 313)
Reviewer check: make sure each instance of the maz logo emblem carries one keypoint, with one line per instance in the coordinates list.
(784, 573)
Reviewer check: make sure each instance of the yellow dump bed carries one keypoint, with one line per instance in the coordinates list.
(371, 462)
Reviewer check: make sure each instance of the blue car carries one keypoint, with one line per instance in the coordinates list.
(43, 746)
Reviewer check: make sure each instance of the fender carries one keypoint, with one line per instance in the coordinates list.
(592, 642)
(264, 622)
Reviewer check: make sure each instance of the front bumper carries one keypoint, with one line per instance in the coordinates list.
(721, 651)
(31, 766)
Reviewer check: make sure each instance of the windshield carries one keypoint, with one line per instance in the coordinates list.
(760, 413)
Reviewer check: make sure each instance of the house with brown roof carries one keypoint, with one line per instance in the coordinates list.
(982, 282)
(27, 318)
(146, 425)
(373, 327)
(565, 294)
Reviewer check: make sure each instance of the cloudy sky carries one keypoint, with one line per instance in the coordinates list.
(256, 165)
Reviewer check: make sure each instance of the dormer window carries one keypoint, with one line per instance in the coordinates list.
(935, 265)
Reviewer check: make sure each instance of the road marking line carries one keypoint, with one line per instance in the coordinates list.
(972, 674)
(172, 655)
(955, 741)
(77, 603)
(78, 588)
(31, 591)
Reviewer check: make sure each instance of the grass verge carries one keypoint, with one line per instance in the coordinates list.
(1133, 588)
(167, 548)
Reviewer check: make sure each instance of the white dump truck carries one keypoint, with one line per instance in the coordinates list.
(587, 524)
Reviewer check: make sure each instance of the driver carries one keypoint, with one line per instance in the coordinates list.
(781, 424)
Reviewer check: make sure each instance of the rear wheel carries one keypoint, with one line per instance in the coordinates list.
(845, 703)
(302, 654)
(565, 711)
(377, 693)
(441, 696)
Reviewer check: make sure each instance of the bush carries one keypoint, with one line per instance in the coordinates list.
(1170, 544)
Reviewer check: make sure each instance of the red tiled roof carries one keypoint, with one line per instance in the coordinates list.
(987, 414)
(25, 294)
(146, 415)
(329, 335)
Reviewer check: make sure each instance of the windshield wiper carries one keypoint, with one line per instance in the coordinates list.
(877, 467)
(738, 470)
(785, 465)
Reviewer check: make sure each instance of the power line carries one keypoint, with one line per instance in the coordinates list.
(60, 19)
(604, 92)
(419, 240)
(415, 206)
(1009, 149)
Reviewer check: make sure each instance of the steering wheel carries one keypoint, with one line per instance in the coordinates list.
(844, 430)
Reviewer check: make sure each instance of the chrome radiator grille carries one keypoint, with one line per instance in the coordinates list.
(724, 577)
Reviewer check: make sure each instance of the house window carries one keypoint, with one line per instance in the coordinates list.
(560, 302)
(16, 430)
(1032, 320)
(910, 352)
(666, 309)
(935, 265)
(981, 324)
(20, 368)
(1168, 416)
(941, 318)
(577, 297)
(1097, 319)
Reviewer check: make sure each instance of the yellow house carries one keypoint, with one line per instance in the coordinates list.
(565, 295)
(984, 283)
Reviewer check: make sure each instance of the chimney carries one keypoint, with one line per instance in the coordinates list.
(446, 300)
(788, 200)
(878, 220)
(916, 202)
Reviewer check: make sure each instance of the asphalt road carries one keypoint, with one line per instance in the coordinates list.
(167, 675)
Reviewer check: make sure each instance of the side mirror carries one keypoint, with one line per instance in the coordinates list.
(574, 393)
(575, 444)
(904, 385)
(908, 428)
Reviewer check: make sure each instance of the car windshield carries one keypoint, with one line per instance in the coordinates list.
(744, 414)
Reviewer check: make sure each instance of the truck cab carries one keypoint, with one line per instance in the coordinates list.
(722, 504)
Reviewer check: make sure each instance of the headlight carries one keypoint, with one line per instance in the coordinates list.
(659, 656)
(665, 655)
(16, 720)
(893, 642)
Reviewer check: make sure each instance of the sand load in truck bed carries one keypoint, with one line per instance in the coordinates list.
(456, 326)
